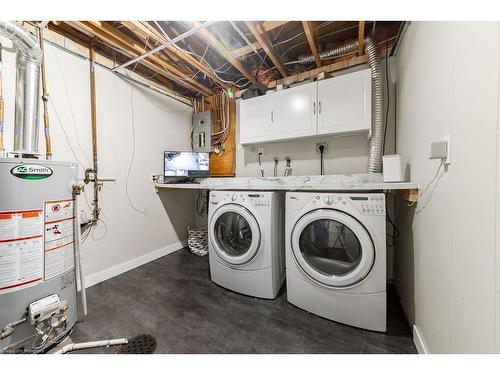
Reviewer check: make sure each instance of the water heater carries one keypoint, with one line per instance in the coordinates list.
(38, 294)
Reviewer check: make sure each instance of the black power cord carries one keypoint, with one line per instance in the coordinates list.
(321, 152)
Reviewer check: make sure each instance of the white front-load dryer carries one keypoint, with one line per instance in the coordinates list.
(246, 241)
(336, 256)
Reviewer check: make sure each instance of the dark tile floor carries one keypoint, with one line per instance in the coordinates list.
(173, 299)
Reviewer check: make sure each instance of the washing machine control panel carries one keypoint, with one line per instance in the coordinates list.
(258, 200)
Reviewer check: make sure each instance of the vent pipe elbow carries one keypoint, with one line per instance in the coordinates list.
(28, 59)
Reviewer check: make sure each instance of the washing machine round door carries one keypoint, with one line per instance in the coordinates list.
(332, 248)
(235, 234)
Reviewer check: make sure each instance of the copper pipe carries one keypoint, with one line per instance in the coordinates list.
(93, 111)
(45, 99)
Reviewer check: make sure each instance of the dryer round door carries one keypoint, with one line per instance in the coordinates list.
(332, 248)
(235, 234)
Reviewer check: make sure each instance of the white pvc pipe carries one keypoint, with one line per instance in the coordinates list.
(91, 344)
(78, 263)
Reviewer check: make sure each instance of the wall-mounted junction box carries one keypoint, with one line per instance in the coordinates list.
(441, 150)
(202, 131)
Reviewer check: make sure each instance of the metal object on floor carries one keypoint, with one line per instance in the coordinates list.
(140, 344)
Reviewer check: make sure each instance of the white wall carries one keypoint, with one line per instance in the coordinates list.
(448, 83)
(128, 237)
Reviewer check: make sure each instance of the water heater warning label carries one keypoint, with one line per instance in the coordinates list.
(59, 237)
(21, 249)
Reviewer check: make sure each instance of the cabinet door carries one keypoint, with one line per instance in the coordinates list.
(296, 112)
(256, 117)
(344, 103)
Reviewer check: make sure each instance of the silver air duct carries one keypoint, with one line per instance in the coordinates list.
(377, 135)
(28, 59)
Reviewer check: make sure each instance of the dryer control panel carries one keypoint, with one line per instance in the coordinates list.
(374, 204)
(366, 204)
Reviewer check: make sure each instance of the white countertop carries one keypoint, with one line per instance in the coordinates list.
(358, 182)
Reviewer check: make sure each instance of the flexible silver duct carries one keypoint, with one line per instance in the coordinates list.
(377, 134)
(28, 59)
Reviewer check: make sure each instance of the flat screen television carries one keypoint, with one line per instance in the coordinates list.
(185, 164)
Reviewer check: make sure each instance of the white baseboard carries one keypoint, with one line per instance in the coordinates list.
(419, 341)
(108, 273)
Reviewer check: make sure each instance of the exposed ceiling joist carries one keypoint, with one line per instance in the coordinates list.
(245, 50)
(361, 37)
(271, 25)
(130, 48)
(167, 43)
(219, 47)
(139, 29)
(261, 35)
(311, 39)
(144, 30)
(174, 73)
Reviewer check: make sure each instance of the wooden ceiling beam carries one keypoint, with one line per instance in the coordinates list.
(219, 47)
(145, 30)
(130, 48)
(271, 25)
(261, 35)
(361, 37)
(246, 50)
(174, 73)
(311, 40)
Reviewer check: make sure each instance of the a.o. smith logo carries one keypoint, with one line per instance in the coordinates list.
(31, 171)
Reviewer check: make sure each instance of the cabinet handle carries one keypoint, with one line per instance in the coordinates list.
(314, 108)
(272, 116)
(319, 109)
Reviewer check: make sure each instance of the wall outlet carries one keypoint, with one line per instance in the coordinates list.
(318, 144)
(152, 176)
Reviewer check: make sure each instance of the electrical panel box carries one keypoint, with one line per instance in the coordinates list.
(202, 131)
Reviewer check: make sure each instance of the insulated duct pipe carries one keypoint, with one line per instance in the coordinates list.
(28, 59)
(377, 134)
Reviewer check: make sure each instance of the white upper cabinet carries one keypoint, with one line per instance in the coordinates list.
(296, 110)
(257, 116)
(335, 106)
(344, 103)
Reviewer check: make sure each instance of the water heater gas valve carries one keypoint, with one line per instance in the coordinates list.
(45, 308)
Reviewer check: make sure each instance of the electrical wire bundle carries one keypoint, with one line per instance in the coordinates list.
(222, 105)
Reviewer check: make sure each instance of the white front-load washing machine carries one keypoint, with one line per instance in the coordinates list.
(336, 256)
(246, 241)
